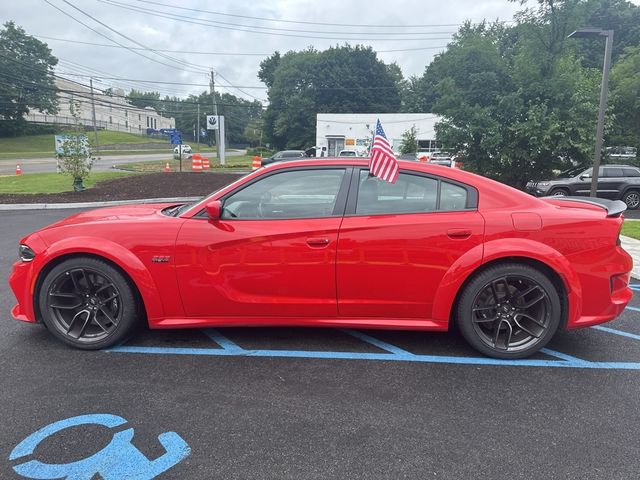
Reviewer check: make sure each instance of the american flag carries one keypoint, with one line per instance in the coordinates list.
(382, 162)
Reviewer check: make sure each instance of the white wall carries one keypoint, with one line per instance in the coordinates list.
(112, 113)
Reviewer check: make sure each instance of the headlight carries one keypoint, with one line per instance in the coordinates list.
(544, 184)
(25, 253)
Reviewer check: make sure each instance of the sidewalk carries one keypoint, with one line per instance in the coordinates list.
(632, 246)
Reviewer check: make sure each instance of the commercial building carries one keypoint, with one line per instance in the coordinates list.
(354, 131)
(113, 112)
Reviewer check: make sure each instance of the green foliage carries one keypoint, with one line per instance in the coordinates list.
(144, 99)
(75, 159)
(516, 103)
(409, 141)
(338, 80)
(26, 80)
(625, 99)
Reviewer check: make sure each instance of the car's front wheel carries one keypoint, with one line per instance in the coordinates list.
(509, 311)
(87, 303)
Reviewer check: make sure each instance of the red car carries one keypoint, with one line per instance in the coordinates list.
(323, 243)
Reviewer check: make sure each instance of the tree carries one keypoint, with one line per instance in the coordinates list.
(515, 101)
(144, 99)
(409, 142)
(75, 159)
(26, 78)
(338, 80)
(625, 99)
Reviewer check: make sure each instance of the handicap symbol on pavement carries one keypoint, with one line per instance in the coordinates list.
(119, 460)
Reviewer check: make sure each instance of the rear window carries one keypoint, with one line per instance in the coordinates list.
(631, 172)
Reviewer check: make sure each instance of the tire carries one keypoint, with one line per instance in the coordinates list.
(88, 304)
(632, 199)
(517, 302)
(559, 192)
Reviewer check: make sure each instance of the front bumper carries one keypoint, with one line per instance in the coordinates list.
(22, 282)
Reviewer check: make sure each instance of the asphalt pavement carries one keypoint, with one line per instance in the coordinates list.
(102, 164)
(313, 403)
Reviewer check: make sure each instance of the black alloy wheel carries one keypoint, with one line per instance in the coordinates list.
(87, 303)
(509, 311)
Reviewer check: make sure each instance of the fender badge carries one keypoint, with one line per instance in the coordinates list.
(160, 259)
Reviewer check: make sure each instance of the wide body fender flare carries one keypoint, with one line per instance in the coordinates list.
(119, 255)
(496, 250)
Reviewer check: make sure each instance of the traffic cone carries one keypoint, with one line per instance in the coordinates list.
(167, 168)
(18, 170)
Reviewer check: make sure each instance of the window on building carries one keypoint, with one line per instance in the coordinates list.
(139, 117)
(110, 119)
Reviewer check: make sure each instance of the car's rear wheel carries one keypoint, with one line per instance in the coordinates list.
(559, 192)
(509, 311)
(632, 199)
(88, 304)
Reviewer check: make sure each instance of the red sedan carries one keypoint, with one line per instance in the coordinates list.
(323, 243)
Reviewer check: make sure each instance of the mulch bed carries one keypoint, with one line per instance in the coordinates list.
(151, 185)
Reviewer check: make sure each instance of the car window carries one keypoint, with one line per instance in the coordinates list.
(410, 193)
(631, 172)
(291, 155)
(612, 172)
(297, 194)
(452, 197)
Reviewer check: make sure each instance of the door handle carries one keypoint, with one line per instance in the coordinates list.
(317, 242)
(459, 233)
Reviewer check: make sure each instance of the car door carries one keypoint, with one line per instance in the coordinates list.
(272, 253)
(611, 183)
(397, 241)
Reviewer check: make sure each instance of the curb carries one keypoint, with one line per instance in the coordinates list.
(632, 247)
(60, 206)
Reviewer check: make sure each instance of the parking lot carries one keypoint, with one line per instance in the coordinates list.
(318, 403)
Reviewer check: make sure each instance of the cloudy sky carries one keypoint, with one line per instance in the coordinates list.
(233, 36)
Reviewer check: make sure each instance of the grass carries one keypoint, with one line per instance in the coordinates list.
(631, 229)
(159, 165)
(49, 182)
(42, 145)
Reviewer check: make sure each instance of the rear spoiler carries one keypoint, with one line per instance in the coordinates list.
(614, 208)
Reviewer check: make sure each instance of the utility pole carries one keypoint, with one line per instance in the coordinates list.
(198, 131)
(93, 113)
(215, 112)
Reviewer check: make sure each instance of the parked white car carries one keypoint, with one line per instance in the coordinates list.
(185, 149)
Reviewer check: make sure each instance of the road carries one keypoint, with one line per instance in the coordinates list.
(106, 163)
(323, 404)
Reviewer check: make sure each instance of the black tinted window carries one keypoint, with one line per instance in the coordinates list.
(291, 155)
(410, 193)
(631, 172)
(297, 194)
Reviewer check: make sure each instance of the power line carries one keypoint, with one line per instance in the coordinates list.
(210, 23)
(294, 30)
(112, 40)
(191, 52)
(299, 21)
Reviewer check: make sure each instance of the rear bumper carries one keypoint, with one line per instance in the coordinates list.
(600, 303)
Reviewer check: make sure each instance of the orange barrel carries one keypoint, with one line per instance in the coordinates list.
(196, 163)
(205, 163)
(257, 162)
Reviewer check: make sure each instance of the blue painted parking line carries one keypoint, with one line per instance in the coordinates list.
(616, 332)
(228, 348)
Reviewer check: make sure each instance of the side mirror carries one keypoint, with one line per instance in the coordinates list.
(582, 177)
(214, 210)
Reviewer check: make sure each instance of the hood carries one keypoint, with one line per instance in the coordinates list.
(124, 213)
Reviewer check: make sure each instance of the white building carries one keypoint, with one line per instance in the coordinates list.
(354, 131)
(113, 112)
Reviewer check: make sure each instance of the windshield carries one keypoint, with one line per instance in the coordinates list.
(571, 172)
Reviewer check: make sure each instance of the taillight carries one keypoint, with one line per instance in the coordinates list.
(620, 282)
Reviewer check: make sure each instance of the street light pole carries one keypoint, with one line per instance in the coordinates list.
(604, 90)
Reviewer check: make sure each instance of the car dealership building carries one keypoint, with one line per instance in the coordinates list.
(354, 131)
